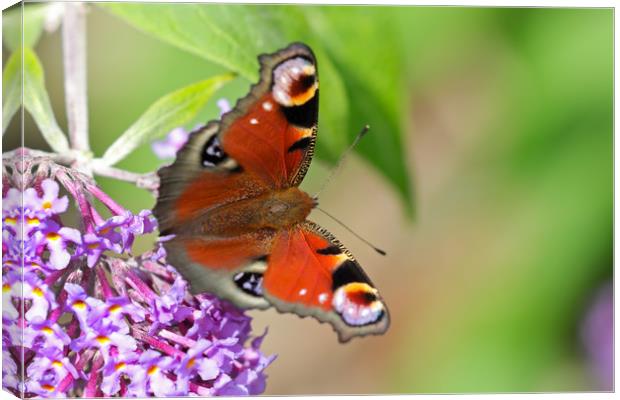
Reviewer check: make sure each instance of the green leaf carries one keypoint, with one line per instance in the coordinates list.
(333, 110)
(229, 35)
(12, 89)
(365, 47)
(34, 17)
(170, 111)
(37, 103)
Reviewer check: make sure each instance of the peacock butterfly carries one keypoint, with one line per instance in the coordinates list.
(232, 202)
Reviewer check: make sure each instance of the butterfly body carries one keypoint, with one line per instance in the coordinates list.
(239, 220)
(272, 210)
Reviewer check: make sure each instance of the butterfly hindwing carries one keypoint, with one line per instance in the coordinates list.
(232, 268)
(310, 273)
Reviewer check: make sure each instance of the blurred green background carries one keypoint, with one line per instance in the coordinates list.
(487, 176)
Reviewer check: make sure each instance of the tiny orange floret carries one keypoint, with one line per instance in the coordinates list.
(114, 308)
(79, 304)
(48, 387)
(53, 236)
(102, 339)
(34, 221)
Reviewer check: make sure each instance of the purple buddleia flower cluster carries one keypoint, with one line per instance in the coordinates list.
(83, 317)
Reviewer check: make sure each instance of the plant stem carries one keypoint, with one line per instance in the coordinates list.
(74, 57)
(149, 181)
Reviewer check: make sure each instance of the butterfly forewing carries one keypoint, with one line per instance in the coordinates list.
(196, 183)
(272, 131)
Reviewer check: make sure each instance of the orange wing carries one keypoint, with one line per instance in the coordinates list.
(271, 132)
(311, 274)
(201, 178)
(230, 267)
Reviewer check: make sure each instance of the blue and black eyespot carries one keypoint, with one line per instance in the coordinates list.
(250, 283)
(212, 153)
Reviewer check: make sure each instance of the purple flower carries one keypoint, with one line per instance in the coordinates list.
(152, 377)
(51, 360)
(11, 287)
(115, 232)
(56, 238)
(47, 205)
(123, 364)
(168, 147)
(45, 386)
(168, 307)
(117, 308)
(9, 370)
(81, 305)
(598, 336)
(11, 203)
(45, 335)
(41, 297)
(143, 223)
(224, 106)
(118, 233)
(12, 210)
(195, 361)
(103, 335)
(94, 246)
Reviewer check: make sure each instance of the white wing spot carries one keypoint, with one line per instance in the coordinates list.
(303, 292)
(267, 106)
(253, 121)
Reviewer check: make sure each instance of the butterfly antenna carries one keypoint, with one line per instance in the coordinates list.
(375, 248)
(342, 160)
